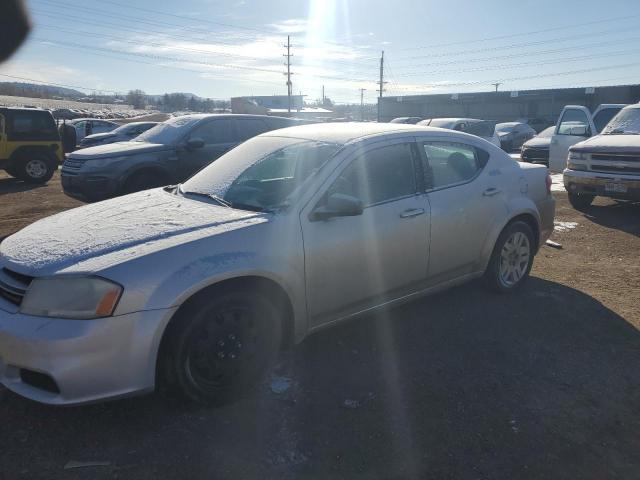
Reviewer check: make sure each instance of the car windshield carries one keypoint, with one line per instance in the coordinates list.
(441, 123)
(547, 132)
(505, 127)
(261, 173)
(626, 122)
(169, 132)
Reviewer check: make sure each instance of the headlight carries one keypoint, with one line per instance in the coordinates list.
(578, 156)
(71, 297)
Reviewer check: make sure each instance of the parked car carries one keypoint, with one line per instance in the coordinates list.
(168, 153)
(575, 124)
(124, 133)
(406, 120)
(512, 135)
(198, 285)
(481, 128)
(536, 150)
(608, 164)
(30, 147)
(538, 124)
(90, 126)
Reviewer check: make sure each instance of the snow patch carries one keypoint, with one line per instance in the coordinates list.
(564, 226)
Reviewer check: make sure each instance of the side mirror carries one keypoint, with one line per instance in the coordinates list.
(338, 205)
(579, 131)
(194, 143)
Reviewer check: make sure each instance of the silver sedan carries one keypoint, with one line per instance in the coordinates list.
(199, 285)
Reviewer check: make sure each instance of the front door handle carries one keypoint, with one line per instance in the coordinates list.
(490, 192)
(414, 212)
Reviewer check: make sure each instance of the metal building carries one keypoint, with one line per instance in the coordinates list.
(505, 106)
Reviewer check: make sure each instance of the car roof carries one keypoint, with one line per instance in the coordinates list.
(202, 116)
(511, 124)
(344, 132)
(632, 106)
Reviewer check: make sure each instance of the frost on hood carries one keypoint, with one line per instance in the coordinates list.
(118, 229)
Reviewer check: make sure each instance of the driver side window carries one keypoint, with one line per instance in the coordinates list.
(573, 119)
(381, 175)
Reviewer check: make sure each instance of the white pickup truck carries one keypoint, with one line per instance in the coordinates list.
(575, 124)
(608, 164)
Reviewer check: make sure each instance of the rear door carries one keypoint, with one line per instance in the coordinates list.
(466, 200)
(250, 127)
(219, 136)
(574, 125)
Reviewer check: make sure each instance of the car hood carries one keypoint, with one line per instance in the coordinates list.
(609, 144)
(538, 142)
(96, 236)
(118, 149)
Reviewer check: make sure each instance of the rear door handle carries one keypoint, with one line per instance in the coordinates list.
(490, 192)
(414, 212)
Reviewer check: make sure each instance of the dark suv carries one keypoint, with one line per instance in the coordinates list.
(168, 153)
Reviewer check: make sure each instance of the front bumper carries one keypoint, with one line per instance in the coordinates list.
(68, 362)
(602, 184)
(88, 187)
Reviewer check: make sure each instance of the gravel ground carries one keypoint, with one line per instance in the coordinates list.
(462, 385)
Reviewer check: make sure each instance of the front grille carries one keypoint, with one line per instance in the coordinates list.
(13, 285)
(608, 157)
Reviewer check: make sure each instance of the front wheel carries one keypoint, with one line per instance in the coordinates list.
(512, 258)
(222, 346)
(36, 169)
(580, 201)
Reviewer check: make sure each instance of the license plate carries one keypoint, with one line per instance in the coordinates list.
(615, 187)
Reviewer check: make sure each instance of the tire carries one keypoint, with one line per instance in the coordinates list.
(144, 180)
(220, 346)
(511, 259)
(580, 201)
(36, 168)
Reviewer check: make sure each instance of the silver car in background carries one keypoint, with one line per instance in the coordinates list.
(198, 286)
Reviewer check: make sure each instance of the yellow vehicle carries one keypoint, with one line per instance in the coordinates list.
(30, 147)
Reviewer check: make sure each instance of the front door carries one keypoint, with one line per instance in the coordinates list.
(355, 262)
(219, 136)
(465, 202)
(574, 125)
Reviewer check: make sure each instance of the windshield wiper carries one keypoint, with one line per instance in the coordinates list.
(210, 196)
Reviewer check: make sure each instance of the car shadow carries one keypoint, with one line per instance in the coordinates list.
(464, 384)
(13, 185)
(623, 215)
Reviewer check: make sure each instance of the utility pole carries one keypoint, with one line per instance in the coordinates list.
(362, 90)
(382, 82)
(497, 84)
(288, 55)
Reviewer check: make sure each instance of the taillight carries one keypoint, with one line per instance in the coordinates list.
(549, 182)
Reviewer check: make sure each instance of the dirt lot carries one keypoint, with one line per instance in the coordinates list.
(464, 385)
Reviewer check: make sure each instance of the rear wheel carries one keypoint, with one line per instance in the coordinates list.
(218, 348)
(512, 258)
(36, 168)
(144, 180)
(580, 201)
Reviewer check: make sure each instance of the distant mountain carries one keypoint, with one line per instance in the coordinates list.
(38, 91)
(187, 95)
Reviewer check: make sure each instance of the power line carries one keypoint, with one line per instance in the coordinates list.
(520, 45)
(59, 84)
(533, 32)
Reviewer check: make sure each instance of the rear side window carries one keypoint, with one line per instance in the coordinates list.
(31, 126)
(378, 176)
(216, 131)
(452, 163)
(250, 127)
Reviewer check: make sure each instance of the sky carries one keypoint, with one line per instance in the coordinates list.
(224, 48)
